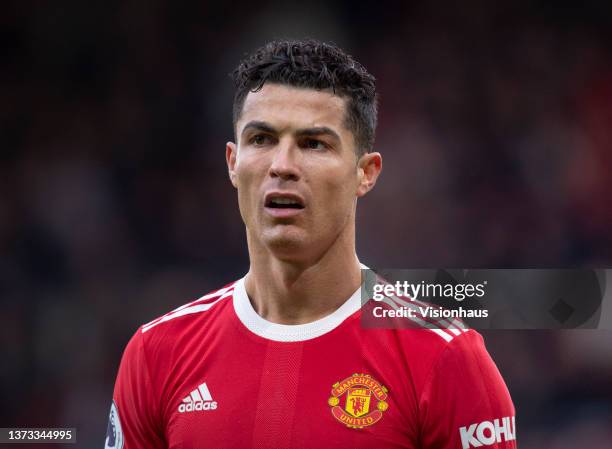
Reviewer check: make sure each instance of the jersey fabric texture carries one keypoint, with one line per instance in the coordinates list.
(214, 374)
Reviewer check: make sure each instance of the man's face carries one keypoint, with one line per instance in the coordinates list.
(296, 170)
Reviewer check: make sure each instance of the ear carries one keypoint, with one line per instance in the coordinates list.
(231, 152)
(369, 167)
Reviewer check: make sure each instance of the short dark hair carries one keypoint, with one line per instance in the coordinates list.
(316, 65)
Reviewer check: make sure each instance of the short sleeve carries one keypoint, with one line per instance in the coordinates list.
(134, 416)
(465, 402)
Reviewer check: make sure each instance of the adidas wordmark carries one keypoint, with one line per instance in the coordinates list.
(199, 399)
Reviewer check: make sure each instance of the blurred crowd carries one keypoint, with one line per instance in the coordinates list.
(495, 128)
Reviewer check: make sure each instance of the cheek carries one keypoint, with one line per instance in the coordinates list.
(338, 194)
(246, 183)
(248, 176)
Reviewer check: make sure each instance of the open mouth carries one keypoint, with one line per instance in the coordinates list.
(284, 201)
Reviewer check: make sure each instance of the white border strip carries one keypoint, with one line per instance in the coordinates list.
(185, 311)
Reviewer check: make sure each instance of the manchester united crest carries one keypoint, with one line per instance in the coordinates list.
(358, 401)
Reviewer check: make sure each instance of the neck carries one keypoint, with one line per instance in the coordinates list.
(301, 291)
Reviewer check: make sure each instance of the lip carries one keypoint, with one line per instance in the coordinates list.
(284, 212)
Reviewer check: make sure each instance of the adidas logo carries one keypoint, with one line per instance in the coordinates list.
(199, 399)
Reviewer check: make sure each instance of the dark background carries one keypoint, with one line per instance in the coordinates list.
(495, 127)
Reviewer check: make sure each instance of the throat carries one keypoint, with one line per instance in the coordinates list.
(300, 298)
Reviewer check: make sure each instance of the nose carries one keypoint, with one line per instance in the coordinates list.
(285, 162)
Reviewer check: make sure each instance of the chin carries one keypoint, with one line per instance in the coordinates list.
(286, 243)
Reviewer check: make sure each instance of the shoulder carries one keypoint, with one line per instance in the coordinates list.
(171, 340)
(181, 319)
(445, 355)
(421, 335)
(423, 347)
(428, 349)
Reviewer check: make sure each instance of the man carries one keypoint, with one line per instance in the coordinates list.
(278, 359)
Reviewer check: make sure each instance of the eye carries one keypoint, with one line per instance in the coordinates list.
(260, 140)
(314, 144)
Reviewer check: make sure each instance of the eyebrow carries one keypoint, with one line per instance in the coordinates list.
(260, 126)
(311, 132)
(319, 130)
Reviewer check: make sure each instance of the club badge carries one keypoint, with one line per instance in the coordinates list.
(358, 401)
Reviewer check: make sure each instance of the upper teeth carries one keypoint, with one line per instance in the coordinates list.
(284, 201)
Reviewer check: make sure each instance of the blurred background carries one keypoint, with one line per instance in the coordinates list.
(496, 131)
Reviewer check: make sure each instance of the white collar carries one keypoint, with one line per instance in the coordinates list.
(286, 332)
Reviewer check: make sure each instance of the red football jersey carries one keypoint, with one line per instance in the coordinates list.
(214, 374)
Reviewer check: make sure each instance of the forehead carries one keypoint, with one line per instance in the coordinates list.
(293, 107)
